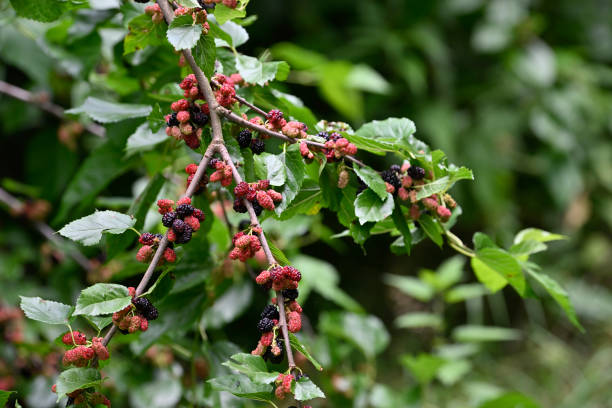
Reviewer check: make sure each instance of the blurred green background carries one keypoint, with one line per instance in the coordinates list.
(519, 91)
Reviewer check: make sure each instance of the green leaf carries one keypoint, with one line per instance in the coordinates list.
(388, 135)
(183, 33)
(224, 13)
(279, 255)
(242, 386)
(271, 167)
(523, 249)
(253, 366)
(464, 292)
(88, 230)
(294, 176)
(99, 322)
(368, 333)
(297, 345)
(432, 229)
(510, 400)
(143, 32)
(402, 225)
(332, 85)
(102, 298)
(443, 184)
(304, 389)
(505, 265)
(229, 34)
(144, 139)
(557, 292)
(368, 207)
(138, 209)
(373, 180)
(492, 279)
(447, 274)
(156, 119)
(205, 54)
(482, 241)
(423, 367)
(5, 396)
(39, 10)
(411, 286)
(45, 311)
(228, 307)
(75, 379)
(418, 319)
(307, 201)
(257, 72)
(189, 3)
(107, 112)
(474, 333)
(537, 235)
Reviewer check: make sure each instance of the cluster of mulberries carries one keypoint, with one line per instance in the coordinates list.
(181, 221)
(245, 139)
(135, 316)
(245, 245)
(150, 242)
(270, 345)
(155, 12)
(199, 16)
(295, 130)
(259, 194)
(85, 398)
(336, 147)
(283, 385)
(223, 172)
(211, 3)
(191, 169)
(82, 352)
(188, 118)
(279, 278)
(405, 181)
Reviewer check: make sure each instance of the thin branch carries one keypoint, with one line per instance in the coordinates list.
(244, 102)
(42, 102)
(46, 231)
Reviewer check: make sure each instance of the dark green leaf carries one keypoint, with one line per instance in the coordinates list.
(99, 322)
(45, 311)
(205, 54)
(373, 180)
(102, 298)
(39, 10)
(280, 257)
(431, 227)
(75, 379)
(400, 222)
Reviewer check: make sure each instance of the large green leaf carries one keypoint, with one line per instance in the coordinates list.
(75, 379)
(253, 366)
(258, 72)
(88, 230)
(242, 386)
(304, 389)
(40, 10)
(373, 180)
(142, 32)
(270, 166)
(368, 207)
(388, 135)
(504, 264)
(107, 112)
(184, 32)
(102, 298)
(294, 172)
(46, 311)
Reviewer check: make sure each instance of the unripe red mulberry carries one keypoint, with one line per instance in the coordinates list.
(241, 189)
(263, 184)
(144, 254)
(403, 194)
(144, 324)
(169, 255)
(294, 322)
(99, 348)
(171, 235)
(263, 277)
(265, 200)
(430, 203)
(134, 324)
(444, 213)
(79, 338)
(193, 222)
(275, 195)
(183, 117)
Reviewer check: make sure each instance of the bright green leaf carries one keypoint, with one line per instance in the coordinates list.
(184, 33)
(373, 180)
(102, 298)
(88, 230)
(45, 311)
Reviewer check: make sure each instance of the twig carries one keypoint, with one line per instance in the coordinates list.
(46, 231)
(42, 102)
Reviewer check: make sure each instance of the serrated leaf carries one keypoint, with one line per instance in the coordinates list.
(144, 139)
(368, 207)
(183, 33)
(304, 389)
(39, 10)
(441, 185)
(258, 72)
(99, 322)
(373, 180)
(88, 230)
(143, 32)
(102, 298)
(156, 119)
(242, 386)
(205, 54)
(271, 167)
(418, 319)
(46, 311)
(75, 379)
(392, 134)
(229, 34)
(474, 333)
(556, 291)
(297, 345)
(294, 176)
(504, 264)
(107, 112)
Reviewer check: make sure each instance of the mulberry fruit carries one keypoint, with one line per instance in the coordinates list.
(178, 226)
(244, 138)
(270, 312)
(290, 294)
(172, 120)
(265, 200)
(144, 253)
(265, 325)
(417, 173)
(258, 146)
(168, 219)
(79, 338)
(257, 208)
(239, 206)
(184, 210)
(390, 177)
(242, 189)
(200, 119)
(185, 237)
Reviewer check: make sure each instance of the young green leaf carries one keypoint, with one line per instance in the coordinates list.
(257, 72)
(304, 389)
(102, 298)
(46, 311)
(107, 112)
(75, 379)
(492, 279)
(537, 235)
(224, 13)
(183, 33)
(88, 230)
(368, 207)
